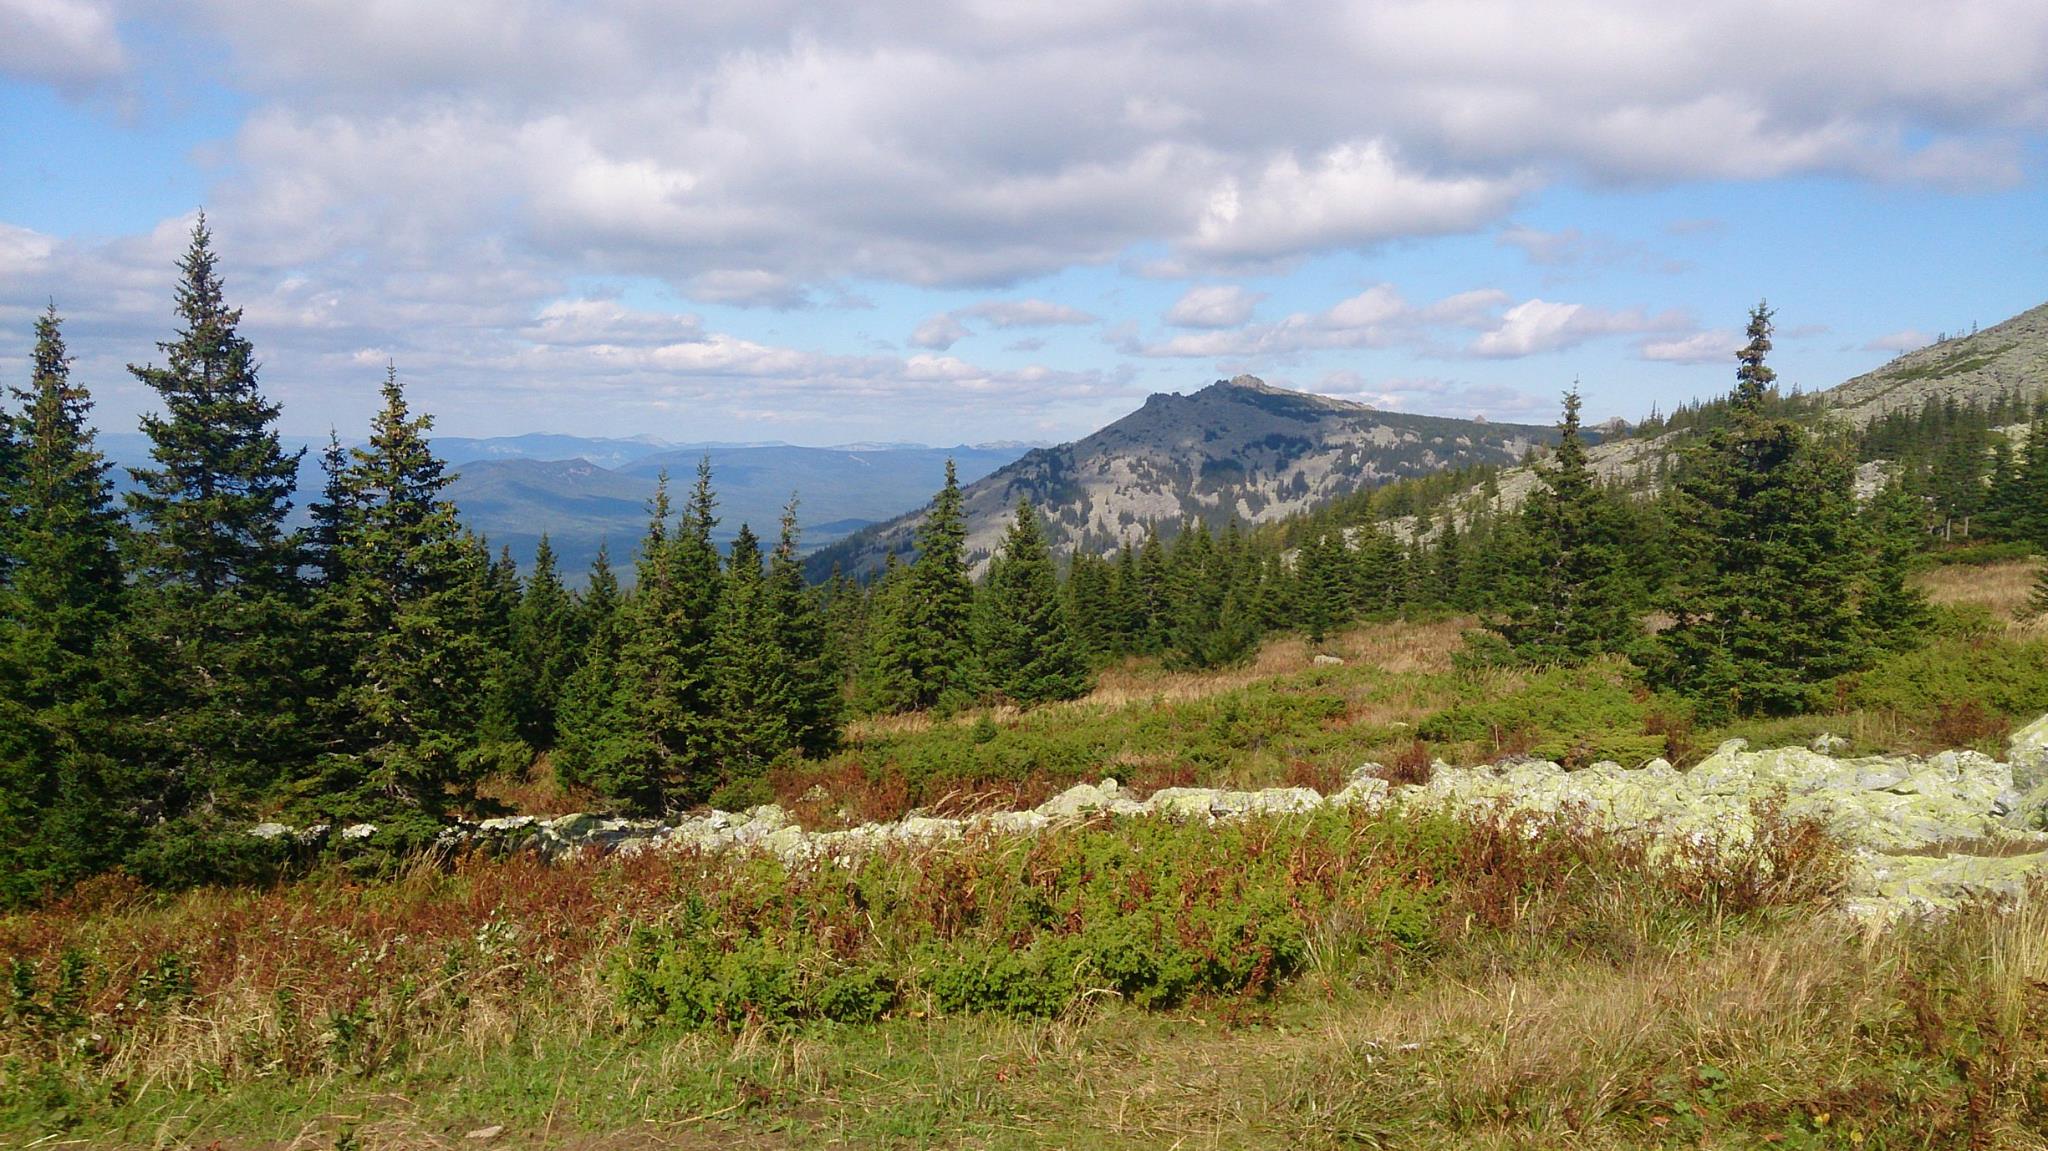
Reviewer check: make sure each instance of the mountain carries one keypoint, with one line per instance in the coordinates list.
(2010, 356)
(585, 491)
(1237, 449)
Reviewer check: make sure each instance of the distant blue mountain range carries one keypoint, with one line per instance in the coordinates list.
(583, 492)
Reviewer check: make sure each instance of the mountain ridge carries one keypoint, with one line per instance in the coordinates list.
(1238, 449)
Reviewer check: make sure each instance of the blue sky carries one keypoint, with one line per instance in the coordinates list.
(975, 221)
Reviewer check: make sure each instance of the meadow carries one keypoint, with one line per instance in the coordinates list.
(1341, 979)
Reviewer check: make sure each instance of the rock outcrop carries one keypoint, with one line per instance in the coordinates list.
(1924, 834)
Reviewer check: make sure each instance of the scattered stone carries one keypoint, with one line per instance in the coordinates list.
(1924, 834)
(484, 1133)
(1828, 743)
(1328, 661)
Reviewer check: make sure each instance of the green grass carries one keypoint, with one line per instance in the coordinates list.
(1968, 687)
(915, 996)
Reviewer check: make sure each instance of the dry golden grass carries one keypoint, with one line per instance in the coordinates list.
(2004, 587)
(1396, 647)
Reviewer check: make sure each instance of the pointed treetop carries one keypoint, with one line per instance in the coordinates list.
(1753, 379)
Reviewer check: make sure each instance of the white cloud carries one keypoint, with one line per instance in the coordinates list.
(939, 332)
(1717, 346)
(1213, 306)
(1536, 326)
(1027, 314)
(1353, 195)
(72, 44)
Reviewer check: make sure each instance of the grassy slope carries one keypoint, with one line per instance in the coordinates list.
(1586, 1002)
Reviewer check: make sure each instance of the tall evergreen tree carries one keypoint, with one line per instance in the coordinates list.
(65, 807)
(212, 509)
(1028, 650)
(545, 647)
(1568, 586)
(812, 699)
(1323, 568)
(1764, 606)
(665, 750)
(210, 660)
(925, 657)
(587, 722)
(1894, 612)
(414, 588)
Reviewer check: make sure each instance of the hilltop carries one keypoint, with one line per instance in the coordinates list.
(1239, 449)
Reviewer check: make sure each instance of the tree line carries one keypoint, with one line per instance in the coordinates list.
(180, 663)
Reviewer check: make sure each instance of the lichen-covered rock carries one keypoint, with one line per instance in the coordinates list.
(1925, 834)
(2027, 752)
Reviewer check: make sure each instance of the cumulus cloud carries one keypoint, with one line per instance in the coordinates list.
(71, 44)
(1381, 317)
(1716, 346)
(1536, 326)
(939, 332)
(1354, 195)
(1213, 306)
(430, 177)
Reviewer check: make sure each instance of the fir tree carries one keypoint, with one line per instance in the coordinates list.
(1567, 581)
(1209, 622)
(546, 646)
(213, 508)
(1028, 650)
(1895, 613)
(665, 751)
(587, 720)
(332, 514)
(925, 655)
(65, 807)
(210, 664)
(812, 699)
(414, 590)
(1323, 568)
(1764, 606)
(754, 678)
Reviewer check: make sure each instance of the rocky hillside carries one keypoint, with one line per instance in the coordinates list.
(1975, 369)
(2007, 357)
(1238, 449)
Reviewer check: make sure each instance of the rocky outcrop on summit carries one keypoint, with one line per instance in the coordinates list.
(2011, 356)
(1238, 449)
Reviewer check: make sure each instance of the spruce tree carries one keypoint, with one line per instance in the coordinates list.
(212, 510)
(1895, 613)
(65, 806)
(1209, 622)
(588, 725)
(1568, 587)
(1028, 650)
(210, 659)
(926, 657)
(664, 753)
(1764, 605)
(1323, 568)
(413, 596)
(753, 677)
(545, 647)
(812, 698)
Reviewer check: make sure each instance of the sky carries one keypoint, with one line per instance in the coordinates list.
(995, 220)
